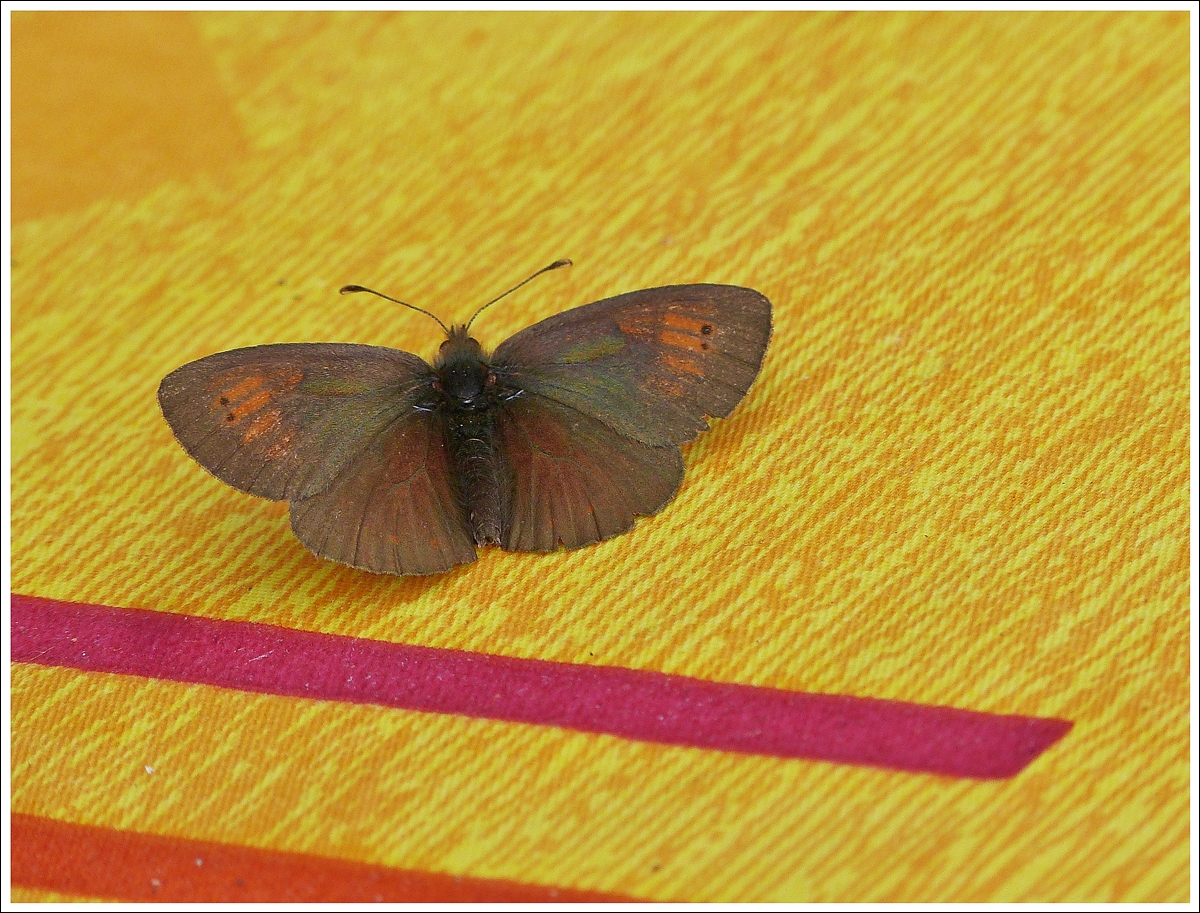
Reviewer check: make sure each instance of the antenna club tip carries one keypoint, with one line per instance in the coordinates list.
(561, 263)
(348, 289)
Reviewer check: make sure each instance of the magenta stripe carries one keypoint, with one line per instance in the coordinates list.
(648, 706)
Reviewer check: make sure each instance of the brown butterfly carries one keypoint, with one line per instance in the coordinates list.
(566, 434)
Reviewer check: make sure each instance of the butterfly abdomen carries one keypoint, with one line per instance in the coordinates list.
(480, 472)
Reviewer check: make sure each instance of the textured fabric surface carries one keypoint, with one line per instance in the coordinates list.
(961, 478)
(82, 860)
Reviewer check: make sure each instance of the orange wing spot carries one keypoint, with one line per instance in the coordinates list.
(260, 425)
(241, 390)
(682, 341)
(276, 382)
(688, 324)
(680, 365)
(251, 405)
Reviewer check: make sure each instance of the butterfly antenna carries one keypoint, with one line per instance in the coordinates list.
(557, 264)
(350, 289)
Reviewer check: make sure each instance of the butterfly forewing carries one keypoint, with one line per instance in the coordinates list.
(576, 480)
(652, 365)
(284, 421)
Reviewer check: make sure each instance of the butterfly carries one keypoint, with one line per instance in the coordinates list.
(562, 437)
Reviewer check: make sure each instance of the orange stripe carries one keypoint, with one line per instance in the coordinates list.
(250, 406)
(687, 323)
(242, 389)
(681, 340)
(123, 865)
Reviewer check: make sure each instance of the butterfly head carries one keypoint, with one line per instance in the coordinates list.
(459, 345)
(463, 375)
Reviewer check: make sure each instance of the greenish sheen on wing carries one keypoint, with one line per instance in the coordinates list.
(591, 349)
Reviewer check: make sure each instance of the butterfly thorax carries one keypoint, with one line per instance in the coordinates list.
(468, 396)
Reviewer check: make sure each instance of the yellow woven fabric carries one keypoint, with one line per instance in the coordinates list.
(961, 478)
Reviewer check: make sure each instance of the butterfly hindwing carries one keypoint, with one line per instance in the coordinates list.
(576, 481)
(283, 421)
(652, 365)
(392, 510)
